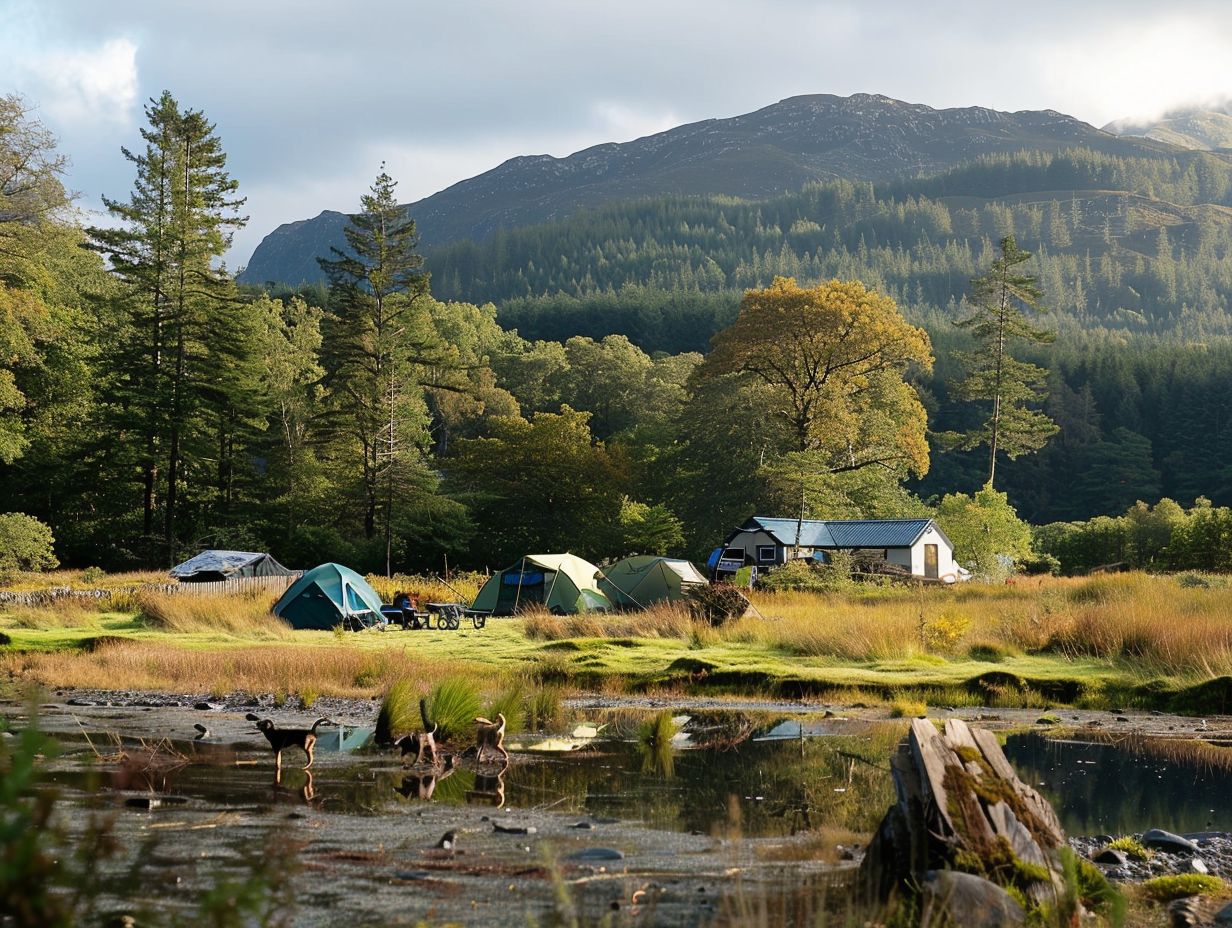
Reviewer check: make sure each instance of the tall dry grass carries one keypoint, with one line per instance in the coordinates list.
(247, 613)
(272, 668)
(429, 589)
(1156, 624)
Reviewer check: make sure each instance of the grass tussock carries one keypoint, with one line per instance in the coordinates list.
(247, 613)
(453, 707)
(399, 712)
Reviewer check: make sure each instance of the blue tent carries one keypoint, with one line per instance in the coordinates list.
(327, 596)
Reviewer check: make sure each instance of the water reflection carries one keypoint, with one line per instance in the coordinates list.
(1130, 785)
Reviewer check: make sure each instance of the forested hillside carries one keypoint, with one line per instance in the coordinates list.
(754, 156)
(1141, 244)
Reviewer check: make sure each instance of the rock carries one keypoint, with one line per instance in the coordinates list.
(143, 802)
(1196, 865)
(970, 901)
(1119, 874)
(1103, 839)
(202, 706)
(1111, 857)
(1224, 915)
(595, 854)
(581, 825)
(411, 874)
(1166, 841)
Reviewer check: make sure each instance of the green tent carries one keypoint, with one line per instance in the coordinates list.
(329, 595)
(562, 583)
(644, 579)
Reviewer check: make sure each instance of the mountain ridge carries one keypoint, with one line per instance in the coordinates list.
(776, 149)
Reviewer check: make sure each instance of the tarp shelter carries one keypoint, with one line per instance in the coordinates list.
(562, 583)
(211, 566)
(327, 596)
(645, 579)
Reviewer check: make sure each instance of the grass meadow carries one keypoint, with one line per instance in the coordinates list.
(1119, 640)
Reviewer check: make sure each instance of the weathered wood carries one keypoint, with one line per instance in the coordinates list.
(960, 806)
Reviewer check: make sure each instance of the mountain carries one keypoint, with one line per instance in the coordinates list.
(1196, 128)
(772, 151)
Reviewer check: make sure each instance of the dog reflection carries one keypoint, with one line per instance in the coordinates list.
(423, 785)
(306, 791)
(489, 789)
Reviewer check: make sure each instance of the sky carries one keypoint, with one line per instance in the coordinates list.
(309, 97)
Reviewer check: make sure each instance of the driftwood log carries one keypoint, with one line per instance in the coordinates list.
(961, 809)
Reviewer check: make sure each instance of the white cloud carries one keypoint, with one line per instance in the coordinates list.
(86, 85)
(1141, 69)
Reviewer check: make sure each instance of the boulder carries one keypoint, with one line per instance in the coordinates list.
(1160, 840)
(951, 897)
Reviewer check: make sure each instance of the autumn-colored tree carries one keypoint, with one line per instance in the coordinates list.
(834, 358)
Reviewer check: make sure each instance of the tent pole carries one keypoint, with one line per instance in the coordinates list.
(518, 595)
(547, 597)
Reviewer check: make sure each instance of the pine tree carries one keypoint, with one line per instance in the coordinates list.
(994, 376)
(184, 365)
(377, 331)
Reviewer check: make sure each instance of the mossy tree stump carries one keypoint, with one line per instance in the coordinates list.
(962, 807)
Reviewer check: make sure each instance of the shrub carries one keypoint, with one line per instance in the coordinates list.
(833, 576)
(25, 544)
(945, 631)
(92, 575)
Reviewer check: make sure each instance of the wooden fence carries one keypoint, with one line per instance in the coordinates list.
(234, 585)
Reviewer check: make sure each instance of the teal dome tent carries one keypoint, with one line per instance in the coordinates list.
(327, 596)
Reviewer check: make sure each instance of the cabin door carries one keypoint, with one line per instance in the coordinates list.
(930, 562)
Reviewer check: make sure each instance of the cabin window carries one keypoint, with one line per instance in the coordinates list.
(765, 554)
(733, 554)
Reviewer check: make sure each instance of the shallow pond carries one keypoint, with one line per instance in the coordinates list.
(723, 773)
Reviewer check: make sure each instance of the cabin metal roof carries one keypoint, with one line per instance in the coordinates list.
(843, 533)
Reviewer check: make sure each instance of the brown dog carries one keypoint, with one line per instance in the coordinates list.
(282, 738)
(490, 735)
(421, 744)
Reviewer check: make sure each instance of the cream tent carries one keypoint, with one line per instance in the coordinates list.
(562, 583)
